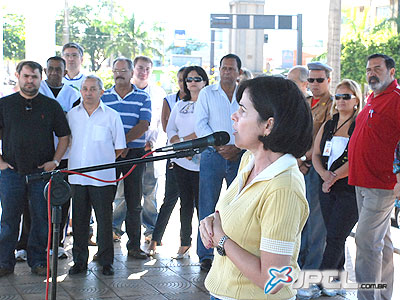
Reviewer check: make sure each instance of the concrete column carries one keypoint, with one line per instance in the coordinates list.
(248, 43)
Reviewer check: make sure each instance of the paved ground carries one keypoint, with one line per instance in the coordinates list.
(159, 278)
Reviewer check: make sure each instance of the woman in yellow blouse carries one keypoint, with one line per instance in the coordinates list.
(257, 225)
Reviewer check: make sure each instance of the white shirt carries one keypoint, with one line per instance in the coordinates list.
(75, 82)
(213, 112)
(181, 123)
(339, 144)
(94, 140)
(66, 97)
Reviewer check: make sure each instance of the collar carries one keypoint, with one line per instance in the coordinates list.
(281, 164)
(101, 106)
(77, 77)
(114, 92)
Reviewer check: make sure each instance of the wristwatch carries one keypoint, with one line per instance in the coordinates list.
(220, 246)
(56, 162)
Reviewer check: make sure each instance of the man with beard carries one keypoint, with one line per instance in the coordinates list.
(371, 149)
(28, 121)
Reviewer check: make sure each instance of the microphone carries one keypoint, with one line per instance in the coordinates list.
(216, 139)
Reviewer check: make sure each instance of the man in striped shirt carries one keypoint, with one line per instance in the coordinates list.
(134, 107)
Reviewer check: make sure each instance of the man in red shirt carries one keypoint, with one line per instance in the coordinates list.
(371, 151)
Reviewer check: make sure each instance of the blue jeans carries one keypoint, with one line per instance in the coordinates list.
(14, 191)
(149, 211)
(213, 169)
(313, 235)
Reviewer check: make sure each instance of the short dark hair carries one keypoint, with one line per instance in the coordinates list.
(181, 70)
(73, 45)
(234, 56)
(127, 60)
(31, 64)
(58, 58)
(390, 63)
(144, 58)
(282, 100)
(199, 71)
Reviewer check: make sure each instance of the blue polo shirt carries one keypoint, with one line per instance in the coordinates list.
(134, 107)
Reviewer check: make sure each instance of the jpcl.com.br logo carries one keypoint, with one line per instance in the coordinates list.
(309, 277)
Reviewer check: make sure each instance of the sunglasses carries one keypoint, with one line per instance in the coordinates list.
(195, 79)
(344, 96)
(319, 80)
(28, 106)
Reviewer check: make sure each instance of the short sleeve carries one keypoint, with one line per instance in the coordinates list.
(281, 217)
(61, 127)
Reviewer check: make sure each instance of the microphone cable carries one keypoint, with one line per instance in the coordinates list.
(49, 212)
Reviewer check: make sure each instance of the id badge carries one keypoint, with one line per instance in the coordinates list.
(327, 149)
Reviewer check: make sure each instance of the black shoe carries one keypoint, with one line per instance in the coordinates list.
(40, 270)
(77, 268)
(96, 257)
(108, 270)
(137, 253)
(5, 271)
(205, 264)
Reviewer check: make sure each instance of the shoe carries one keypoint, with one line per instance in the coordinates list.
(91, 243)
(77, 268)
(61, 253)
(96, 257)
(116, 237)
(147, 238)
(40, 270)
(20, 255)
(108, 270)
(137, 253)
(183, 252)
(5, 271)
(313, 291)
(205, 264)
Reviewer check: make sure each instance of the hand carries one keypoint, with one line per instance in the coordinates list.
(326, 188)
(124, 153)
(218, 232)
(206, 231)
(4, 165)
(48, 166)
(396, 190)
(148, 146)
(304, 167)
(228, 152)
(329, 177)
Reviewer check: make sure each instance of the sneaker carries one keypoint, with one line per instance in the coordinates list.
(40, 270)
(116, 237)
(20, 255)
(312, 292)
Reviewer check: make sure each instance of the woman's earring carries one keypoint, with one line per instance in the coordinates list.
(355, 107)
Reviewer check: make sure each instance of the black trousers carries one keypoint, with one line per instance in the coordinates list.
(84, 197)
(171, 195)
(133, 197)
(188, 184)
(339, 209)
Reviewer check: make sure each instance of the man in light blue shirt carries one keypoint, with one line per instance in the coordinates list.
(215, 105)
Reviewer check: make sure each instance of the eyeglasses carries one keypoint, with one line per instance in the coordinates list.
(120, 71)
(195, 79)
(73, 55)
(319, 80)
(28, 106)
(344, 96)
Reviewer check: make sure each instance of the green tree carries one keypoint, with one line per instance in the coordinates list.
(191, 45)
(14, 37)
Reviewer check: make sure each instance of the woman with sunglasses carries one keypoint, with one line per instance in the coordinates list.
(181, 128)
(337, 197)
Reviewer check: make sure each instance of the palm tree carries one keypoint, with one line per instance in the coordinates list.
(334, 46)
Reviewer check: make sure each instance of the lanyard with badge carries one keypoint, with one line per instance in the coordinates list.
(328, 144)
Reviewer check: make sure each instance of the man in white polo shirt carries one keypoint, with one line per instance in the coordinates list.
(98, 137)
(73, 55)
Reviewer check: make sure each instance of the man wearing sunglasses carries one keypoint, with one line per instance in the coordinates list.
(28, 121)
(313, 235)
(371, 149)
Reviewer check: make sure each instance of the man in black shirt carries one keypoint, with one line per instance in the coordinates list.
(28, 121)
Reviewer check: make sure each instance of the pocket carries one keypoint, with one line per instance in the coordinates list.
(100, 133)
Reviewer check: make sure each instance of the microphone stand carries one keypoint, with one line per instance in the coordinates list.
(60, 193)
